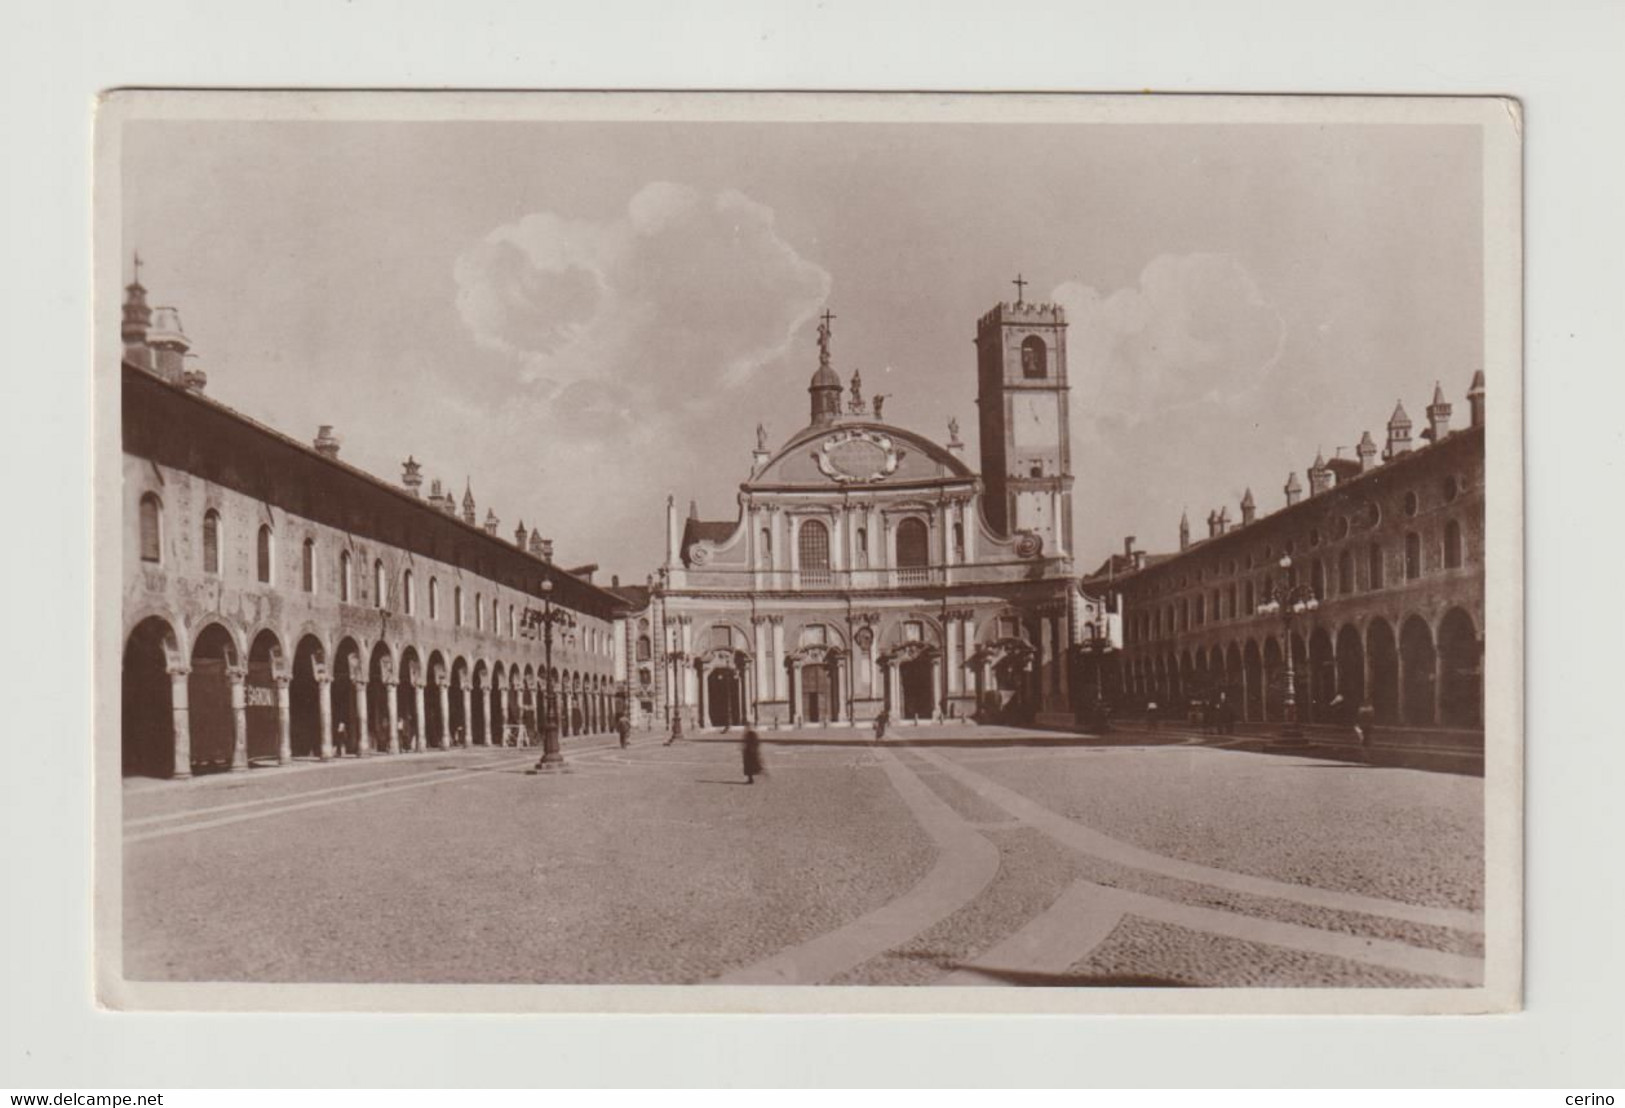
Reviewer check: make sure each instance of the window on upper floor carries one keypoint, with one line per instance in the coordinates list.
(262, 556)
(151, 515)
(1034, 358)
(813, 548)
(1452, 545)
(1374, 567)
(913, 549)
(307, 566)
(479, 612)
(434, 598)
(1413, 555)
(409, 594)
(211, 541)
(380, 585)
(645, 648)
(345, 583)
(457, 606)
(1345, 573)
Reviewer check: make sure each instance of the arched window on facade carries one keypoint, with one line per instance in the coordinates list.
(434, 598)
(457, 606)
(1452, 545)
(380, 586)
(1317, 579)
(767, 547)
(409, 594)
(496, 617)
(479, 612)
(307, 566)
(1034, 358)
(152, 522)
(345, 585)
(959, 542)
(1413, 555)
(1345, 573)
(813, 546)
(863, 548)
(645, 648)
(262, 556)
(211, 541)
(913, 552)
(1249, 601)
(512, 627)
(1374, 569)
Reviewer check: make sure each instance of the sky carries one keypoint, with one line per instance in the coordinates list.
(582, 318)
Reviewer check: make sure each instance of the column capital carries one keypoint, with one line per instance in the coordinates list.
(237, 674)
(281, 680)
(179, 670)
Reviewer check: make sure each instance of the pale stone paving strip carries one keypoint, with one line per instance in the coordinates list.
(299, 805)
(1086, 840)
(965, 866)
(1053, 941)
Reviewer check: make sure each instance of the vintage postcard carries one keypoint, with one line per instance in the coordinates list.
(808, 553)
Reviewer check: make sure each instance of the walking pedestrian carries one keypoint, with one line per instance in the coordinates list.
(1365, 724)
(880, 724)
(623, 727)
(751, 751)
(676, 730)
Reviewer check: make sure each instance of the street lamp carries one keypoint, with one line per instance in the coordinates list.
(547, 617)
(1288, 601)
(1097, 645)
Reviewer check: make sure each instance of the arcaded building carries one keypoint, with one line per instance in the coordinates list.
(279, 603)
(869, 568)
(1390, 544)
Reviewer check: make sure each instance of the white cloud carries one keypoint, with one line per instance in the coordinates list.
(1196, 329)
(628, 337)
(684, 293)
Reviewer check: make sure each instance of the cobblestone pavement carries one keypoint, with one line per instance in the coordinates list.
(952, 855)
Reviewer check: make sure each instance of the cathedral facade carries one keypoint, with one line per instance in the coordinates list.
(870, 569)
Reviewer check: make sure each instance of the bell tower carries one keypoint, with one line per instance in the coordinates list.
(1025, 429)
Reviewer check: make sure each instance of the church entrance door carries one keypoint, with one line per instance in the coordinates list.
(722, 700)
(919, 695)
(817, 694)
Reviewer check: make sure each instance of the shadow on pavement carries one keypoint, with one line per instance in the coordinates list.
(1080, 980)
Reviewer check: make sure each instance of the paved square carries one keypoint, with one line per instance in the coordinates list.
(949, 856)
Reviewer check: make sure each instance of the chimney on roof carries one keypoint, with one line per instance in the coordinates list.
(1294, 490)
(1139, 560)
(1213, 524)
(1249, 508)
(544, 548)
(1128, 546)
(1320, 477)
(327, 443)
(519, 535)
(1224, 519)
(1475, 400)
(491, 522)
(192, 377)
(1399, 433)
(470, 516)
(1184, 531)
(693, 509)
(412, 475)
(615, 580)
(1438, 415)
(1367, 450)
(169, 345)
(137, 319)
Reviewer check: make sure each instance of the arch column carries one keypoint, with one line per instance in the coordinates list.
(363, 738)
(420, 731)
(444, 693)
(182, 720)
(238, 676)
(938, 689)
(392, 706)
(284, 721)
(793, 693)
(492, 737)
(468, 716)
(324, 702)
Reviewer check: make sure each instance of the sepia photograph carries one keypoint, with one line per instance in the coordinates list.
(808, 552)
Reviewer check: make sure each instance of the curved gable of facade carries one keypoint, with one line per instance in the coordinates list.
(858, 454)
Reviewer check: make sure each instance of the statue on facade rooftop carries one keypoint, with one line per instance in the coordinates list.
(761, 438)
(855, 405)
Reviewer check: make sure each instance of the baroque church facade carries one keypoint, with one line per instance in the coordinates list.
(870, 569)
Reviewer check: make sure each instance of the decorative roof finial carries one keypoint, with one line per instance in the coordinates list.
(1021, 289)
(855, 406)
(136, 283)
(824, 332)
